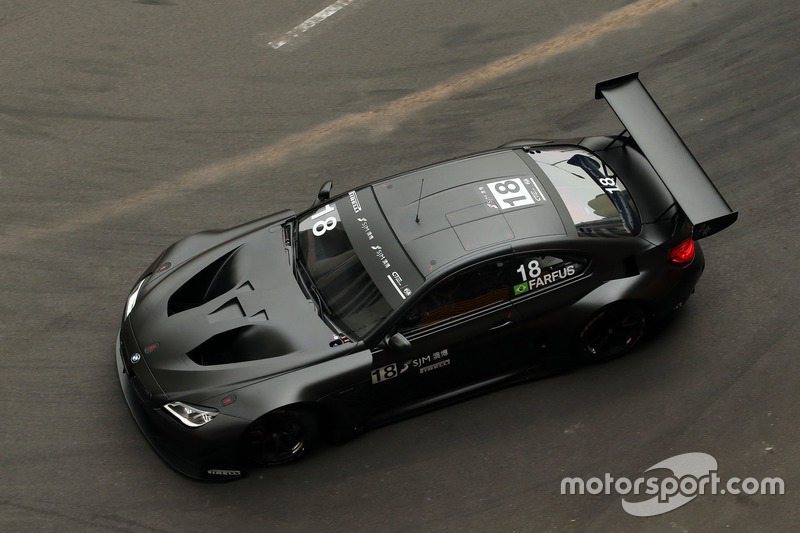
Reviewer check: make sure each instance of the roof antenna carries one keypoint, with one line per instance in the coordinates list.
(420, 199)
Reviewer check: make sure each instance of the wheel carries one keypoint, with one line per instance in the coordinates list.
(611, 332)
(280, 437)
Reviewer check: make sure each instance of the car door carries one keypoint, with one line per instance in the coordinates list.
(546, 284)
(461, 332)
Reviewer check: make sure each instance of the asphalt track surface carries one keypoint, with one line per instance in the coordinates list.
(125, 125)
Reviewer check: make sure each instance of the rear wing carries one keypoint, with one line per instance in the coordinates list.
(669, 156)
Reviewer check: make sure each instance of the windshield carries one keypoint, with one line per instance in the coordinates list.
(353, 262)
(596, 199)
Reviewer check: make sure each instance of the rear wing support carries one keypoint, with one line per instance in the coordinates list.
(668, 154)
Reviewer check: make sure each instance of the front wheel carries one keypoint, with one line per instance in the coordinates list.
(280, 437)
(611, 332)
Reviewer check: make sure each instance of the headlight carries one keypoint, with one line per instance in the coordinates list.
(189, 415)
(132, 298)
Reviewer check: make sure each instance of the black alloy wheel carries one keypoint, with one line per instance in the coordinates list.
(280, 437)
(611, 332)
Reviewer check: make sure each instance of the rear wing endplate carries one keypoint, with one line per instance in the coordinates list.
(669, 156)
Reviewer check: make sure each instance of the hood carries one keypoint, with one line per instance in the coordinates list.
(229, 315)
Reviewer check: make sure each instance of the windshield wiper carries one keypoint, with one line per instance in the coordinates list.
(311, 289)
(306, 281)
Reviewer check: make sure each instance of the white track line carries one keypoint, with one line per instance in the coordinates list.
(309, 23)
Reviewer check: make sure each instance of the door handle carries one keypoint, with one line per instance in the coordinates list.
(503, 324)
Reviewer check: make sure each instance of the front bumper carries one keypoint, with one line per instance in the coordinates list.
(208, 452)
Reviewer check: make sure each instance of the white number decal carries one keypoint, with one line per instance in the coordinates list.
(327, 209)
(534, 270)
(384, 373)
(321, 226)
(609, 184)
(510, 193)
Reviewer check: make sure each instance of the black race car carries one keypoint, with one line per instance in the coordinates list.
(244, 346)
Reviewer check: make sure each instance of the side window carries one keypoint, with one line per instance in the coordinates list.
(463, 293)
(537, 272)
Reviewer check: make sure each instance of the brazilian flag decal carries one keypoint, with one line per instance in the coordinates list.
(521, 288)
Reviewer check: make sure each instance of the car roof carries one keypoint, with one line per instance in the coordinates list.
(457, 210)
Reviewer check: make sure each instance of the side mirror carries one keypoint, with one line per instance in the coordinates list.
(324, 193)
(398, 343)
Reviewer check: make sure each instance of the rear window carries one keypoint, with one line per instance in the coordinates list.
(595, 197)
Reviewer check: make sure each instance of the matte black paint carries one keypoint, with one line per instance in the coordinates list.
(237, 286)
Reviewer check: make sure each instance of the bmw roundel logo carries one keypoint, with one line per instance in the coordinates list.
(135, 358)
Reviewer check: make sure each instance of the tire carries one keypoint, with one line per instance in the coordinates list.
(611, 332)
(280, 437)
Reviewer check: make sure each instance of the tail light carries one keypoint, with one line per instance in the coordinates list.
(683, 253)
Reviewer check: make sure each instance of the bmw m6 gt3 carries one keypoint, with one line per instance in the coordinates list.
(246, 345)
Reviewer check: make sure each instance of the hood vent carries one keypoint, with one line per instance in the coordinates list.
(246, 343)
(261, 316)
(246, 286)
(215, 279)
(230, 310)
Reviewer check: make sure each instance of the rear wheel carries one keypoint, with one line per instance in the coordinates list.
(280, 437)
(611, 332)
